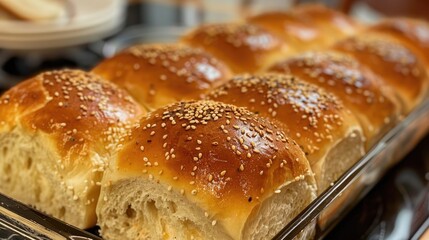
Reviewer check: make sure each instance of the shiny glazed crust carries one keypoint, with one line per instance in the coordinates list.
(393, 63)
(160, 74)
(243, 47)
(334, 24)
(314, 118)
(359, 89)
(298, 32)
(74, 107)
(411, 32)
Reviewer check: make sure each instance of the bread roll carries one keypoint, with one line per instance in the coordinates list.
(204, 170)
(243, 47)
(53, 148)
(393, 63)
(328, 133)
(297, 32)
(360, 91)
(307, 27)
(333, 24)
(411, 32)
(160, 74)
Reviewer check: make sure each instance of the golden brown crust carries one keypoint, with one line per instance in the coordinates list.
(243, 47)
(160, 74)
(412, 32)
(314, 118)
(299, 33)
(74, 107)
(394, 63)
(334, 24)
(223, 154)
(343, 76)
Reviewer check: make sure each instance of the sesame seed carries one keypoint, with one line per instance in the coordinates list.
(241, 167)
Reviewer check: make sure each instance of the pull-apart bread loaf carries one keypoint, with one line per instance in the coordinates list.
(243, 47)
(160, 74)
(329, 134)
(394, 64)
(360, 91)
(53, 148)
(204, 170)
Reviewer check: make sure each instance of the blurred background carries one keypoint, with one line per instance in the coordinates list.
(79, 33)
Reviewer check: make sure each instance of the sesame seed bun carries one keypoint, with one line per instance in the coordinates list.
(412, 33)
(333, 24)
(159, 74)
(205, 170)
(394, 64)
(298, 32)
(54, 147)
(360, 91)
(243, 47)
(327, 132)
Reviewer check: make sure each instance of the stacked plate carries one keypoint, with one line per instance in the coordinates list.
(82, 21)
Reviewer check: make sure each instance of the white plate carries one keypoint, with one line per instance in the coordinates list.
(60, 35)
(63, 39)
(78, 14)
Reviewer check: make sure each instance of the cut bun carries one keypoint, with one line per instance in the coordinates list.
(53, 149)
(204, 170)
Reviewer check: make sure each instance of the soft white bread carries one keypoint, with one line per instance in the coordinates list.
(160, 74)
(53, 149)
(243, 47)
(394, 64)
(204, 170)
(360, 91)
(328, 133)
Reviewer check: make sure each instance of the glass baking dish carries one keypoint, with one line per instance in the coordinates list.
(326, 210)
